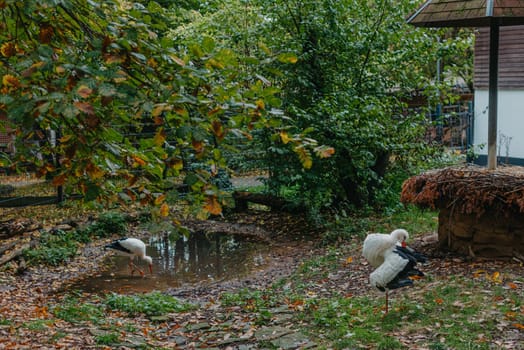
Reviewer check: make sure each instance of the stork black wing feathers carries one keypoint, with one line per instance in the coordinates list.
(419, 257)
(117, 246)
(402, 278)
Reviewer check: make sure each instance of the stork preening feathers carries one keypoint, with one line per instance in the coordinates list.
(394, 262)
(132, 247)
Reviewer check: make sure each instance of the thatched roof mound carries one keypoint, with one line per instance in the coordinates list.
(468, 189)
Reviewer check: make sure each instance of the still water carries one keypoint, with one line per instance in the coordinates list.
(199, 259)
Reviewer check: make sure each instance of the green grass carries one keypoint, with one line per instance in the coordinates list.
(5, 322)
(38, 325)
(73, 310)
(151, 304)
(459, 312)
(411, 218)
(108, 339)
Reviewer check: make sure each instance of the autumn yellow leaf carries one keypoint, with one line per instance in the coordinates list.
(288, 57)
(214, 111)
(164, 210)
(84, 91)
(121, 77)
(304, 156)
(349, 260)
(218, 129)
(158, 120)
(178, 60)
(138, 161)
(284, 137)
(518, 325)
(439, 301)
(59, 180)
(512, 285)
(159, 108)
(496, 278)
(41, 311)
(181, 111)
(260, 104)
(214, 63)
(85, 107)
(415, 277)
(324, 151)
(212, 206)
(478, 273)
(198, 146)
(160, 137)
(113, 59)
(94, 172)
(510, 315)
(65, 138)
(160, 199)
(8, 49)
(50, 167)
(176, 163)
(131, 194)
(10, 81)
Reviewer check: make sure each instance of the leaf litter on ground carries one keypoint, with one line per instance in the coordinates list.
(304, 283)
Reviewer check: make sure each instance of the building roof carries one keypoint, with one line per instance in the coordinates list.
(470, 13)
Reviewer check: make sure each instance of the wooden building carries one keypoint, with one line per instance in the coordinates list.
(510, 95)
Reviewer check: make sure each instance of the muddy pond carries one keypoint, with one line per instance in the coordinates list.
(199, 259)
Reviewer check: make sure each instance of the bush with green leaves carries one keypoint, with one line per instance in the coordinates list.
(106, 225)
(356, 66)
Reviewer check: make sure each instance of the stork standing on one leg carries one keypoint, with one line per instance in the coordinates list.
(393, 260)
(132, 247)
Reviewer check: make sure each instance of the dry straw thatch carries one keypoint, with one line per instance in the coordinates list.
(468, 189)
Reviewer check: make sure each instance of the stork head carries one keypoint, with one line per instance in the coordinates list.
(400, 235)
(149, 261)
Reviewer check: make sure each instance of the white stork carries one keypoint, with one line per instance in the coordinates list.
(393, 260)
(132, 247)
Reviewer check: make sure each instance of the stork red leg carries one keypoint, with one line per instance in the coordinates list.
(387, 301)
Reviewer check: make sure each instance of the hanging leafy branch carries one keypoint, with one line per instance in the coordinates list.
(99, 93)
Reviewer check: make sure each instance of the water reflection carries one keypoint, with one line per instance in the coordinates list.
(185, 261)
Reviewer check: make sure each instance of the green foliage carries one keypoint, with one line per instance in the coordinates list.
(5, 321)
(38, 325)
(344, 227)
(151, 304)
(132, 108)
(108, 224)
(54, 249)
(108, 338)
(354, 68)
(59, 246)
(72, 310)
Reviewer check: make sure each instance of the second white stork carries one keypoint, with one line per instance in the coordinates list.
(132, 247)
(393, 260)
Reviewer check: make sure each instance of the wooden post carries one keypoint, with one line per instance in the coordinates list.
(493, 92)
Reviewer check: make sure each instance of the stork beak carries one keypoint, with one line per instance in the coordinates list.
(151, 269)
(404, 244)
